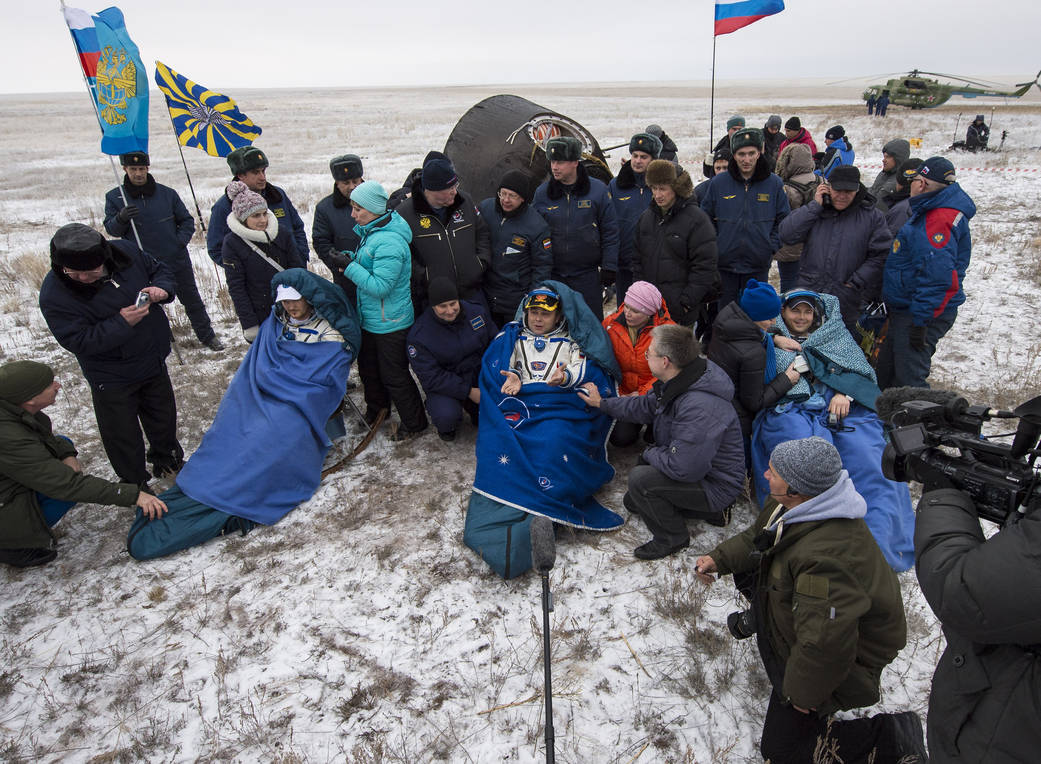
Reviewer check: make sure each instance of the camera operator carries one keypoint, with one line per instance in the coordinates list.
(828, 609)
(985, 703)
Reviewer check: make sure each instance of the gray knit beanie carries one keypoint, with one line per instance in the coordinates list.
(244, 202)
(810, 465)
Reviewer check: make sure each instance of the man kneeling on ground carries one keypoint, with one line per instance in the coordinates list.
(826, 611)
(40, 477)
(696, 469)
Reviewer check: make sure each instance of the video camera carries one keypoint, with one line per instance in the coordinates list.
(1001, 479)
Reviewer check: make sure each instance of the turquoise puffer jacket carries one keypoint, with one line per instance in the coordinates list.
(382, 269)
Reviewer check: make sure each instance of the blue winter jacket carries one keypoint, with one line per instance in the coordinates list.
(925, 270)
(85, 319)
(163, 222)
(280, 207)
(447, 356)
(747, 215)
(697, 434)
(631, 197)
(522, 254)
(382, 269)
(837, 154)
(583, 225)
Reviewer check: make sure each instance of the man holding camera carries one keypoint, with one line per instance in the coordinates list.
(825, 608)
(984, 704)
(100, 303)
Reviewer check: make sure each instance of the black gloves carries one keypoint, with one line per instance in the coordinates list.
(607, 277)
(916, 336)
(340, 260)
(128, 212)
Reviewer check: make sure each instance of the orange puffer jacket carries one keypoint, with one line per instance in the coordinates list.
(636, 374)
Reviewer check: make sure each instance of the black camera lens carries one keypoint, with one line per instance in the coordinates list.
(741, 624)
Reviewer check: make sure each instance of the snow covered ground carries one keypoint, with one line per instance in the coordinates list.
(360, 628)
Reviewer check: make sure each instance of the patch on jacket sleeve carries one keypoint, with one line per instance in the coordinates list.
(477, 323)
(546, 243)
(896, 245)
(411, 351)
(812, 586)
(762, 197)
(279, 212)
(585, 204)
(938, 225)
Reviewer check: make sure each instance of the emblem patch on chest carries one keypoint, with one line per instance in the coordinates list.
(585, 204)
(424, 222)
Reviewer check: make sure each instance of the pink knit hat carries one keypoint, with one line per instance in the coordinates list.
(243, 201)
(644, 297)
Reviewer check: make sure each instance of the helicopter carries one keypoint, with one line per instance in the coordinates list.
(918, 92)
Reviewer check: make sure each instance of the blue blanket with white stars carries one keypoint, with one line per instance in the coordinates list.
(543, 451)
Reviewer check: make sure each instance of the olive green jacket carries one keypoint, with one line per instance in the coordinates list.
(828, 607)
(30, 462)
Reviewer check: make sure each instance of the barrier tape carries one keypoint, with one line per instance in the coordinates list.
(967, 169)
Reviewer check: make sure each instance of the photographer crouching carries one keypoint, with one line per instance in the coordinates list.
(985, 704)
(826, 611)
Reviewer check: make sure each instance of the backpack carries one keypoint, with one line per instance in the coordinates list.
(806, 189)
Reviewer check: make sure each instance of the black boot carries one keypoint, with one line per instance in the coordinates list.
(27, 558)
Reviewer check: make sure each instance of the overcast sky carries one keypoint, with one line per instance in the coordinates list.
(287, 43)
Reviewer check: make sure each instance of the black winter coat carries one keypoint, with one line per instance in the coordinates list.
(737, 348)
(85, 319)
(850, 246)
(447, 356)
(676, 251)
(521, 254)
(985, 704)
(163, 222)
(249, 275)
(333, 228)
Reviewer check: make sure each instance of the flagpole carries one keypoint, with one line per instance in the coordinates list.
(712, 98)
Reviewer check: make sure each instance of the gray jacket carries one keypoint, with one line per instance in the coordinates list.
(697, 435)
(985, 703)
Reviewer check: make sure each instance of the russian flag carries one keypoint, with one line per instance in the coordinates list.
(731, 15)
(86, 38)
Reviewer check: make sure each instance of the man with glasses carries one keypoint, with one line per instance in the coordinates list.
(521, 248)
(696, 467)
(924, 274)
(449, 236)
(100, 303)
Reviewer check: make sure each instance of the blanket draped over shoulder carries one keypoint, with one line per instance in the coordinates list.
(263, 454)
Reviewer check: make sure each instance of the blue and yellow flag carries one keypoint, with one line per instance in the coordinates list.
(117, 79)
(203, 119)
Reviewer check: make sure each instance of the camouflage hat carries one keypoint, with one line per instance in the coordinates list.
(245, 159)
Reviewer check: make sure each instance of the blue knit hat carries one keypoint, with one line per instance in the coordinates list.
(760, 301)
(372, 196)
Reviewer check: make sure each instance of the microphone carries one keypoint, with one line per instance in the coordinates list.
(543, 544)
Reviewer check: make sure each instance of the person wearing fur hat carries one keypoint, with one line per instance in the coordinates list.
(450, 237)
(720, 163)
(675, 245)
(631, 197)
(149, 212)
(794, 132)
(249, 165)
(521, 246)
(582, 221)
(629, 329)
(255, 249)
(845, 242)
(795, 167)
(826, 611)
(40, 477)
(445, 347)
(839, 152)
(333, 229)
(381, 267)
(740, 340)
(894, 153)
(90, 302)
(669, 150)
(746, 203)
(695, 468)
